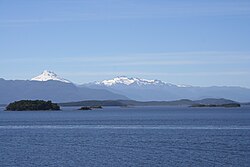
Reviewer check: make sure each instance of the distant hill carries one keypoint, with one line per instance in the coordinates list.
(182, 102)
(57, 91)
(214, 101)
(229, 105)
(95, 103)
(148, 90)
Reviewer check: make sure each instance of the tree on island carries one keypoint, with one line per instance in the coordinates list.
(32, 105)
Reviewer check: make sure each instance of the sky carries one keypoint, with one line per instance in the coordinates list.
(192, 42)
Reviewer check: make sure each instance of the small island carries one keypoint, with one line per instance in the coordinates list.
(32, 105)
(217, 105)
(85, 108)
(90, 108)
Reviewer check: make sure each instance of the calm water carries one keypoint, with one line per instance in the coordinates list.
(140, 136)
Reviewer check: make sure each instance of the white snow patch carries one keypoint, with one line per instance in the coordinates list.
(129, 81)
(49, 75)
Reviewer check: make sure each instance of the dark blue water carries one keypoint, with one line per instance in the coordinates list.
(140, 136)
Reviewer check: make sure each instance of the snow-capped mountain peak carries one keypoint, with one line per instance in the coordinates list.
(129, 81)
(117, 80)
(49, 75)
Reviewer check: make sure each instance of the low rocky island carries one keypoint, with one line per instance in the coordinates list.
(217, 105)
(85, 108)
(32, 105)
(90, 108)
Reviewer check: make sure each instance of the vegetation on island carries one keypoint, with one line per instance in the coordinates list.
(218, 105)
(32, 105)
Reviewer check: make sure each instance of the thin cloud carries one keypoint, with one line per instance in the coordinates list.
(131, 73)
(119, 10)
(145, 59)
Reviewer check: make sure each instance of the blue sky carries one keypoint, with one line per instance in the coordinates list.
(192, 42)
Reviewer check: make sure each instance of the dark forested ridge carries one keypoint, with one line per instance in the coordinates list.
(182, 102)
(217, 105)
(31, 105)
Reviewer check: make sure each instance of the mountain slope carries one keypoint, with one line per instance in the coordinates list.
(156, 90)
(50, 90)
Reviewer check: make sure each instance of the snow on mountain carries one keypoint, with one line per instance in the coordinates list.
(133, 81)
(49, 75)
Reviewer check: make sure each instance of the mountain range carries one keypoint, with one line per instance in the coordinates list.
(50, 86)
(148, 90)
